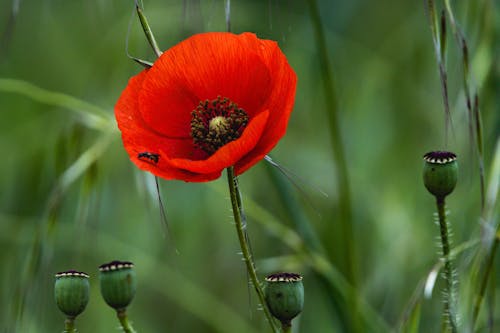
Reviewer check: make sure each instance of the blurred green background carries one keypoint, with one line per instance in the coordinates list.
(71, 199)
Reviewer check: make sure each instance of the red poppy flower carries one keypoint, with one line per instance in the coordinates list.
(212, 101)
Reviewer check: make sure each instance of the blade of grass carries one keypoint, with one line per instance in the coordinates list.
(147, 30)
(489, 212)
(413, 321)
(77, 169)
(344, 227)
(293, 210)
(473, 115)
(426, 286)
(91, 115)
(479, 147)
(439, 42)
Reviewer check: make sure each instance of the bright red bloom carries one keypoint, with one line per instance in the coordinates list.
(212, 101)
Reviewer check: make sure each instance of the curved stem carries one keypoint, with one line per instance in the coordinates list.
(122, 317)
(244, 244)
(449, 312)
(69, 325)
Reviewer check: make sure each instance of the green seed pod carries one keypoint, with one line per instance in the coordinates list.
(118, 283)
(71, 292)
(440, 173)
(284, 295)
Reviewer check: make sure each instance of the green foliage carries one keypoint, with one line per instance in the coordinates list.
(71, 199)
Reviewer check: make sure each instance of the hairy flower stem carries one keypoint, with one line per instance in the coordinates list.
(122, 317)
(69, 325)
(449, 305)
(235, 195)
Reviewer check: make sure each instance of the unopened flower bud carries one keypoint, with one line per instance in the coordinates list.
(440, 173)
(71, 292)
(284, 293)
(118, 283)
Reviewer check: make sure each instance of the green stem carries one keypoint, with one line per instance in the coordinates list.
(69, 325)
(244, 244)
(286, 326)
(147, 30)
(484, 281)
(122, 317)
(449, 305)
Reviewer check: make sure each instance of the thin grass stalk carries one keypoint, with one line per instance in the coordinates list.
(147, 30)
(235, 196)
(475, 127)
(442, 37)
(89, 114)
(484, 280)
(412, 311)
(438, 31)
(345, 222)
(294, 213)
(487, 216)
(473, 115)
(480, 149)
(468, 102)
(346, 239)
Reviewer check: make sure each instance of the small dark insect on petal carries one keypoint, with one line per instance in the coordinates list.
(149, 157)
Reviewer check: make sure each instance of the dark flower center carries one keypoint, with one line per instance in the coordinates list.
(217, 122)
(284, 277)
(440, 157)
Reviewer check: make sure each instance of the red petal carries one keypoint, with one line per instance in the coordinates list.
(154, 111)
(280, 102)
(203, 67)
(138, 138)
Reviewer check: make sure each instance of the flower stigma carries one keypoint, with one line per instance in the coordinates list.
(217, 122)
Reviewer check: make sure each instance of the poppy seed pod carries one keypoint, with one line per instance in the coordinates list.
(284, 293)
(71, 292)
(440, 173)
(118, 283)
